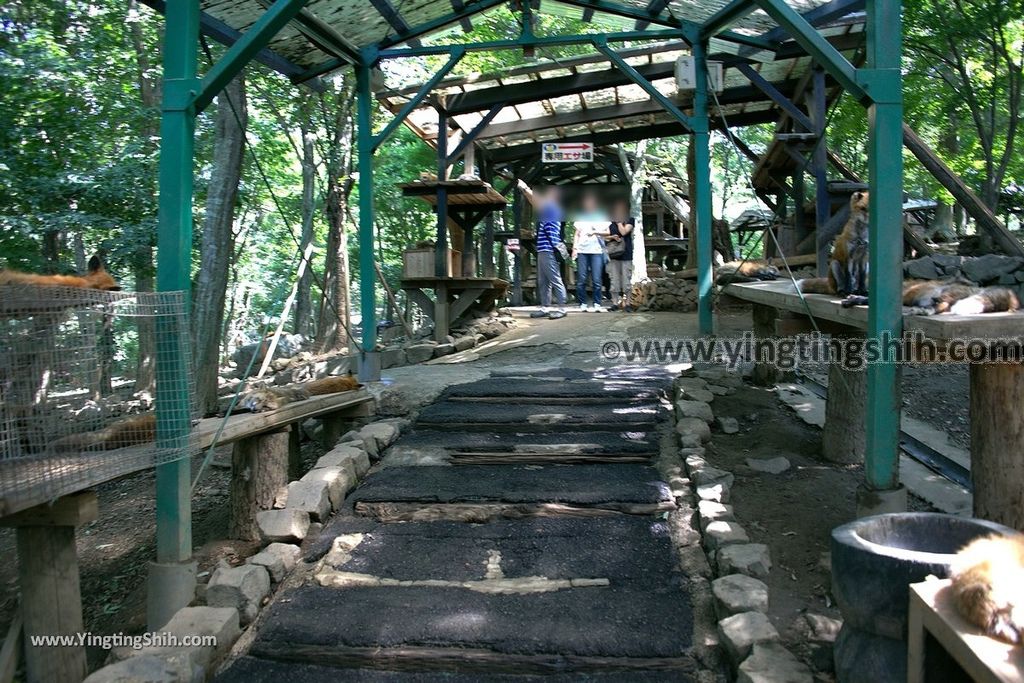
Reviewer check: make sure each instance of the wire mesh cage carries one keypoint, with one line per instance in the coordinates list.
(78, 385)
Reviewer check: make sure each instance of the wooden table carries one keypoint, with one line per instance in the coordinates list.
(996, 389)
(979, 657)
(453, 297)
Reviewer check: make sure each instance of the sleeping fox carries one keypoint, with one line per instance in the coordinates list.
(988, 585)
(273, 398)
(131, 431)
(749, 271)
(96, 277)
(952, 295)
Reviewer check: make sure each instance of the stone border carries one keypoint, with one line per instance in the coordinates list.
(750, 642)
(235, 595)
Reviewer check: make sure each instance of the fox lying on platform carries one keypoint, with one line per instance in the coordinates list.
(988, 585)
(955, 295)
(749, 271)
(273, 398)
(96, 277)
(131, 431)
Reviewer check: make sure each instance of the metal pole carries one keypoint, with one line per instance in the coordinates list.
(369, 366)
(172, 576)
(702, 193)
(885, 169)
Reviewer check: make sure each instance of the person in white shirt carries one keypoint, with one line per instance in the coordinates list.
(588, 249)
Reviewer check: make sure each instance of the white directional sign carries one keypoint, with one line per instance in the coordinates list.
(566, 152)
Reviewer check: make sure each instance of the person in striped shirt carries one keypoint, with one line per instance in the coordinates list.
(549, 237)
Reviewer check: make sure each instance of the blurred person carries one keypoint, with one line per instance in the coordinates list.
(620, 256)
(588, 249)
(548, 205)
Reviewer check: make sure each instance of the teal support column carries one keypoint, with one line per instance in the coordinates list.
(172, 577)
(885, 169)
(369, 365)
(702, 193)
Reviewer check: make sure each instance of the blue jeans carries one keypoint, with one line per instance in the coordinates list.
(589, 266)
(549, 276)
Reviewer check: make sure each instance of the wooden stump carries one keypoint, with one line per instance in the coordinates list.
(843, 434)
(259, 473)
(997, 439)
(295, 452)
(51, 597)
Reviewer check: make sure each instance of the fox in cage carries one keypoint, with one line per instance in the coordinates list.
(70, 343)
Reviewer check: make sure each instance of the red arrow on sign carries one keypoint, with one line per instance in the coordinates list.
(583, 146)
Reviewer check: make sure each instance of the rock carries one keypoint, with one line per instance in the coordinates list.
(348, 457)
(947, 264)
(702, 395)
(737, 593)
(694, 462)
(443, 350)
(697, 409)
(693, 426)
(986, 269)
(721, 391)
(718, 493)
(464, 343)
(392, 358)
(921, 269)
(686, 383)
(821, 634)
(712, 475)
(751, 559)
(337, 365)
(384, 433)
(277, 558)
(339, 480)
(390, 401)
(728, 425)
(769, 465)
(313, 497)
(711, 511)
(770, 662)
(720, 533)
(418, 353)
(689, 441)
(240, 587)
(177, 668)
(282, 526)
(740, 632)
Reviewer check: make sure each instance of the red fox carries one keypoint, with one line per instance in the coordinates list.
(96, 277)
(988, 585)
(749, 271)
(273, 398)
(848, 269)
(952, 295)
(131, 431)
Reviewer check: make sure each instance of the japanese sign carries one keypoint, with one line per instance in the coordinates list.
(566, 152)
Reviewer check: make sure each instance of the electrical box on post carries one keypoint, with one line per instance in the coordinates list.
(686, 74)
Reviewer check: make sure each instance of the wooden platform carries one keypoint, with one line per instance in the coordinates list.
(471, 193)
(453, 296)
(34, 481)
(782, 295)
(981, 658)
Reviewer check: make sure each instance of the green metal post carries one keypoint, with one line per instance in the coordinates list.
(885, 170)
(702, 193)
(369, 367)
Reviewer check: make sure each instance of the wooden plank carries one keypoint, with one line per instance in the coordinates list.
(985, 659)
(11, 649)
(485, 512)
(73, 511)
(782, 295)
(963, 194)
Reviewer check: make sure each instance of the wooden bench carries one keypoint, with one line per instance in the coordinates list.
(996, 389)
(47, 510)
(937, 634)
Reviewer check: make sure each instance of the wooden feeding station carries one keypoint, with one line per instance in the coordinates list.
(451, 271)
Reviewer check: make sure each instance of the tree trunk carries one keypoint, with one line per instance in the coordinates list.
(304, 301)
(997, 432)
(636, 173)
(216, 248)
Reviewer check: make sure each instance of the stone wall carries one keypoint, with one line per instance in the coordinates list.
(988, 270)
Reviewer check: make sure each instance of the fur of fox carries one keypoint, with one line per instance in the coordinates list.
(748, 271)
(131, 431)
(261, 400)
(952, 295)
(848, 268)
(96, 277)
(988, 585)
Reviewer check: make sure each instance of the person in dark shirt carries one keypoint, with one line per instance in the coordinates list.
(549, 238)
(620, 263)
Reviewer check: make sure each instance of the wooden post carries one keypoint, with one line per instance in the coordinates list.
(294, 451)
(259, 472)
(333, 427)
(442, 309)
(997, 438)
(51, 597)
(842, 437)
(764, 374)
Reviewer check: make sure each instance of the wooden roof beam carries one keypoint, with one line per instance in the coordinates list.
(386, 10)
